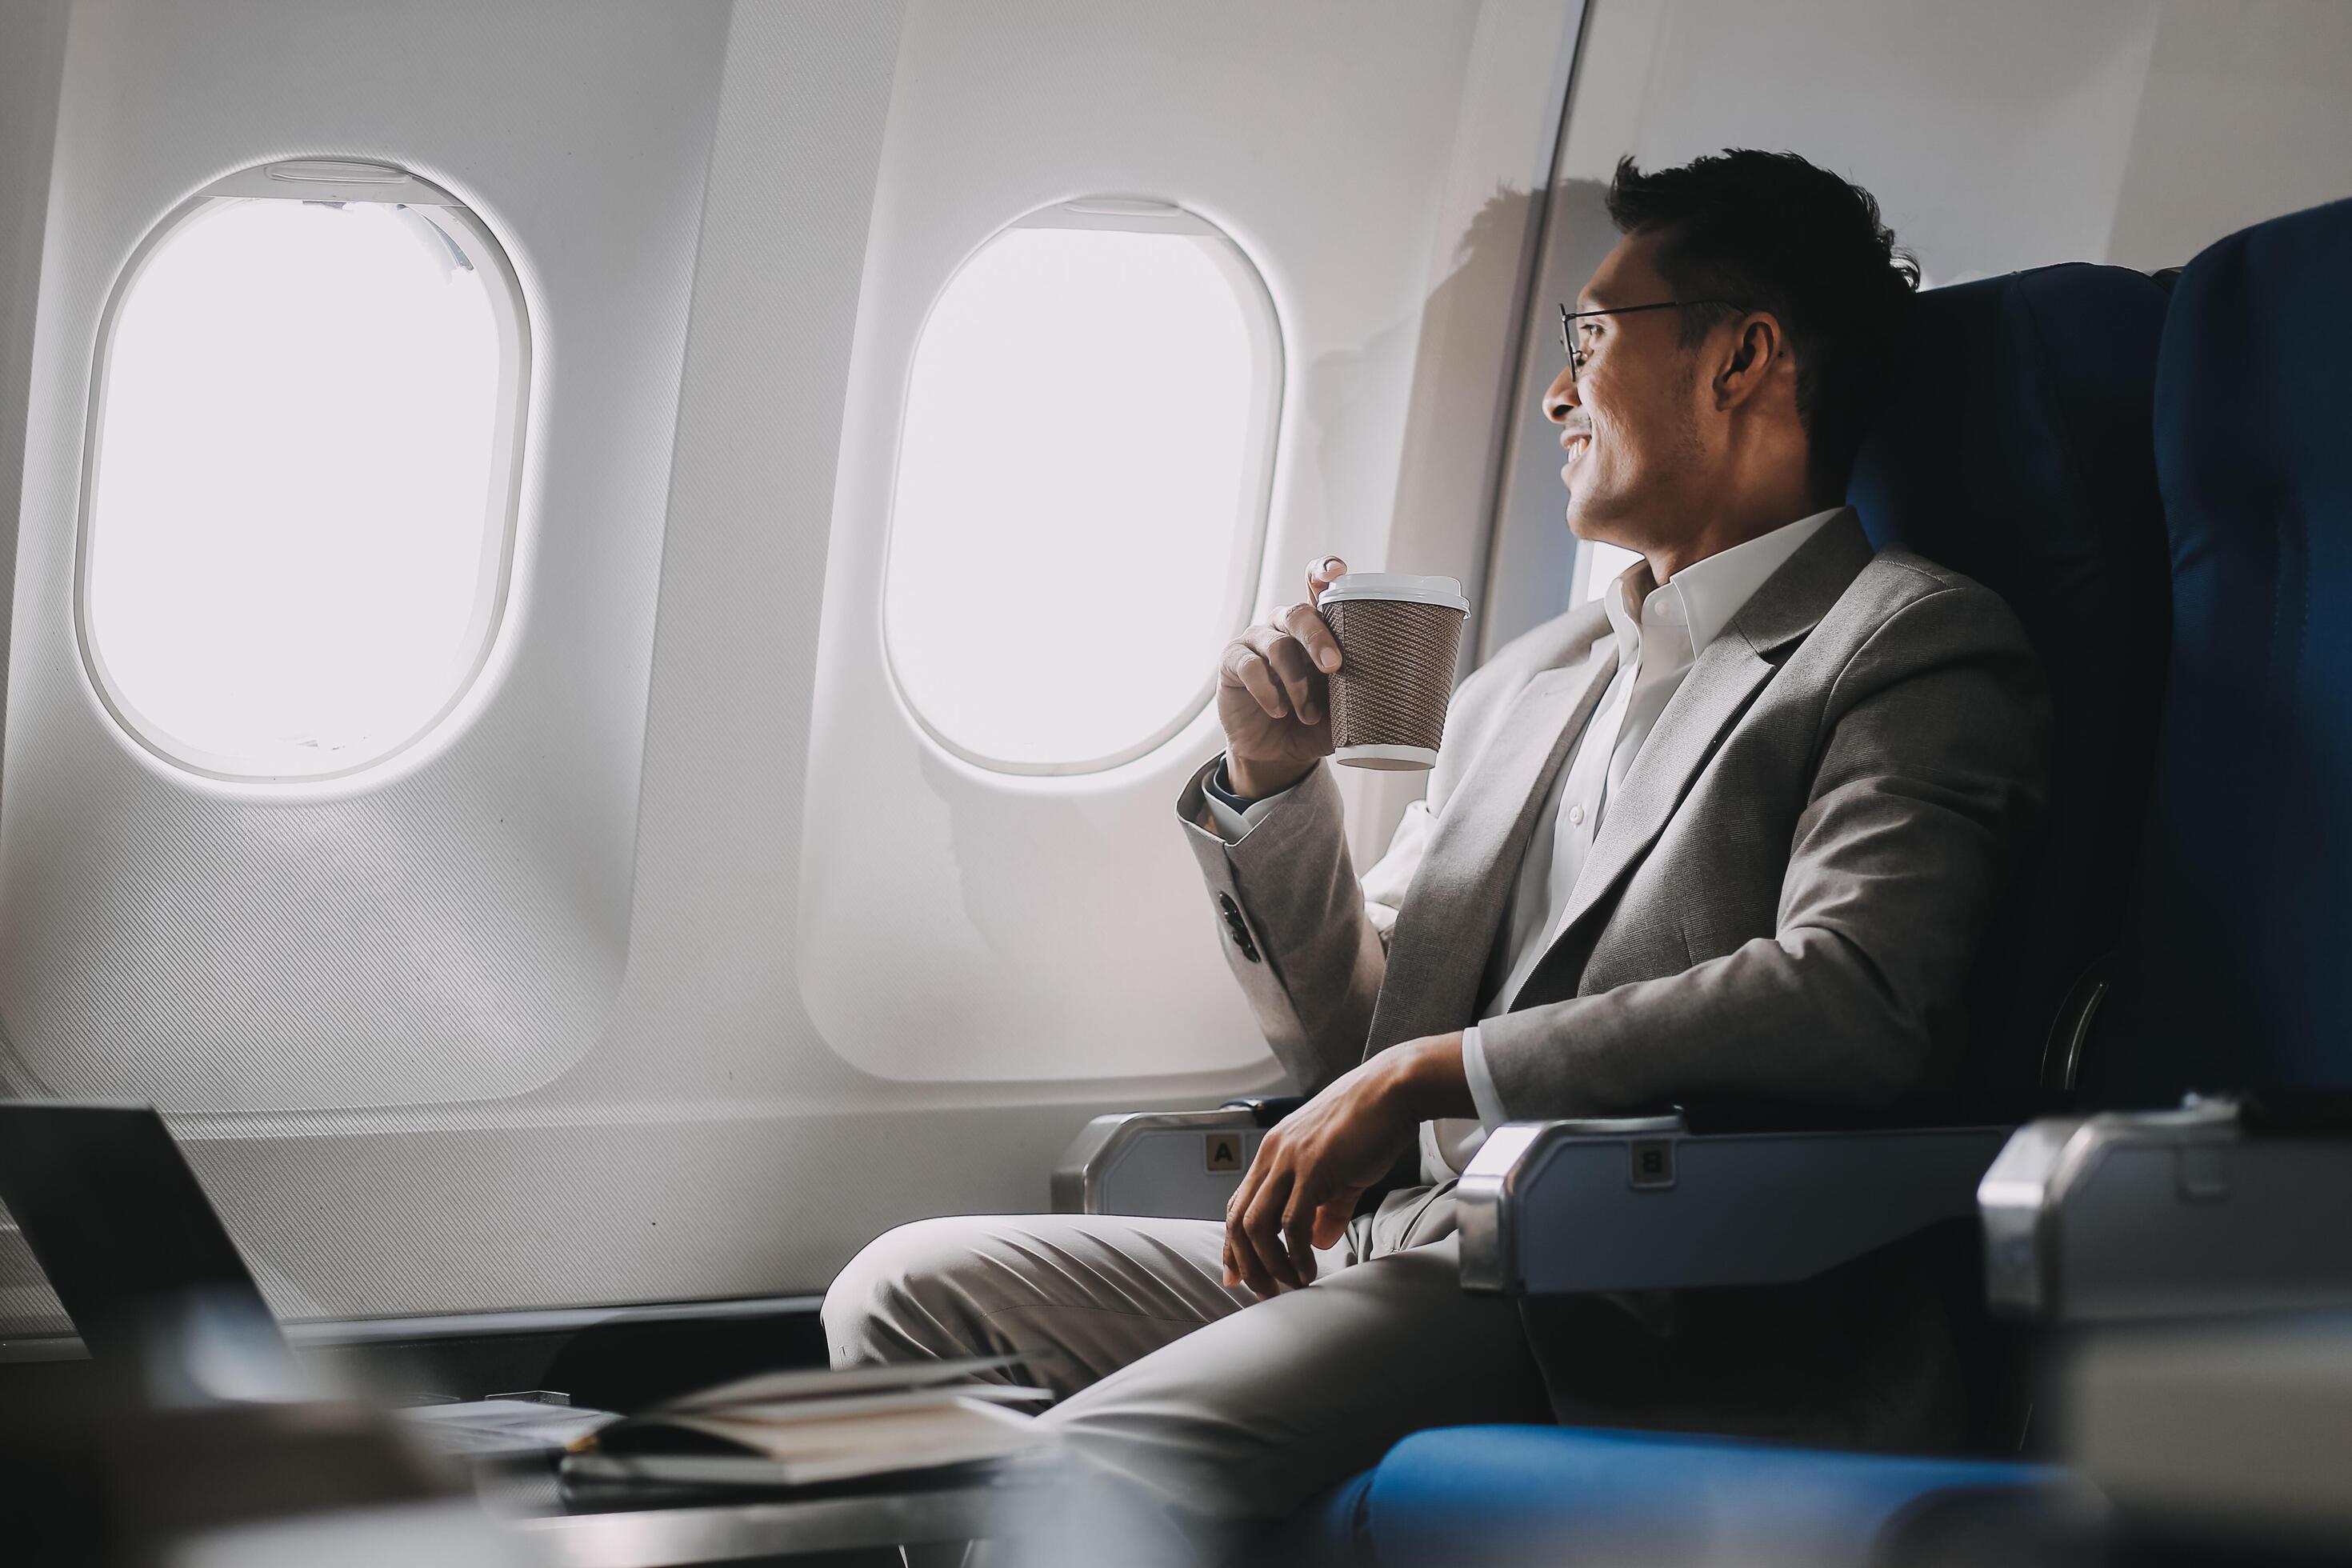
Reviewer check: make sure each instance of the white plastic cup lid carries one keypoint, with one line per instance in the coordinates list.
(1397, 585)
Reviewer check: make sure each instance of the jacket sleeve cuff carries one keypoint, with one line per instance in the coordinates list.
(1231, 815)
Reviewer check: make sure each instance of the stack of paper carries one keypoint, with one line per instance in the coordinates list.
(802, 1429)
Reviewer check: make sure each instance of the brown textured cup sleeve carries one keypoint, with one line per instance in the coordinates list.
(1396, 671)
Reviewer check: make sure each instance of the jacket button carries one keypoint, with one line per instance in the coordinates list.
(1237, 927)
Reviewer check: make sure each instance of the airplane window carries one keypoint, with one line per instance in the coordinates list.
(1081, 486)
(1608, 563)
(301, 499)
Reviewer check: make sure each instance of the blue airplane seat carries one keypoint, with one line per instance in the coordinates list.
(1469, 1497)
(2018, 451)
(2231, 979)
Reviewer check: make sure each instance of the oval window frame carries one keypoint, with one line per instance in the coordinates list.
(332, 180)
(1267, 392)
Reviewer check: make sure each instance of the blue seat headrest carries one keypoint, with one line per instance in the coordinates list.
(2241, 912)
(2018, 451)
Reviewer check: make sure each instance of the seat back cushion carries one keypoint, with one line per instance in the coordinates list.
(2241, 923)
(2018, 451)
(1498, 1495)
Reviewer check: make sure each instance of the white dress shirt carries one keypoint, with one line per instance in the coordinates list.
(1660, 632)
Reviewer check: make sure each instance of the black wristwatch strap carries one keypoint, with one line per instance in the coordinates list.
(1219, 787)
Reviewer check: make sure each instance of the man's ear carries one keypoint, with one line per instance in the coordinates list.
(1750, 362)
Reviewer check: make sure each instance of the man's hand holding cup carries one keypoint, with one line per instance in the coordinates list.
(1273, 692)
(1287, 702)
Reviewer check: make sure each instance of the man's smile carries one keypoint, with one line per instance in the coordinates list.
(1576, 444)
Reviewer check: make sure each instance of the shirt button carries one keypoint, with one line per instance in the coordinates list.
(1576, 815)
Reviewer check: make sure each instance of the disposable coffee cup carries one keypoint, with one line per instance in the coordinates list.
(1398, 637)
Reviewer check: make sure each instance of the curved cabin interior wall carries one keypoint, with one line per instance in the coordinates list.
(292, 969)
(682, 964)
(703, 1138)
(1046, 936)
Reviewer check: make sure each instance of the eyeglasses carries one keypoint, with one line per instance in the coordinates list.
(1568, 320)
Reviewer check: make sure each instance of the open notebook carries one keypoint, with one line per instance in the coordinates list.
(806, 1428)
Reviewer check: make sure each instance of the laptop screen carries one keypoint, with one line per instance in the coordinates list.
(115, 1218)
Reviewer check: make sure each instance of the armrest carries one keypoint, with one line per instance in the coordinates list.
(1165, 1165)
(1651, 1204)
(1266, 1110)
(2220, 1207)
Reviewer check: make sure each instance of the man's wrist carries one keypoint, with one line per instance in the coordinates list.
(1249, 785)
(1427, 1078)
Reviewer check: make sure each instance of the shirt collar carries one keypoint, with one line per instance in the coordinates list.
(1625, 601)
(1708, 592)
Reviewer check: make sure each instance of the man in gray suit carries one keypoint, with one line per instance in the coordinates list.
(1735, 829)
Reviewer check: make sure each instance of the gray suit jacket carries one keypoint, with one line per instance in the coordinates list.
(1784, 900)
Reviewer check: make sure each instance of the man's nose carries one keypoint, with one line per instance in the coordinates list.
(1559, 397)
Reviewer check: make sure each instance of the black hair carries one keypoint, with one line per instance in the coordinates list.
(1768, 231)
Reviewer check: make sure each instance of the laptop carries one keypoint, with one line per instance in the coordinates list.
(138, 1259)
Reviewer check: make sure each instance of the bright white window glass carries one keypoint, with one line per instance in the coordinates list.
(1607, 562)
(1081, 486)
(301, 499)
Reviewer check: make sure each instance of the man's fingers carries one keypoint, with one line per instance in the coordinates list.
(1278, 671)
(1298, 1235)
(1241, 1263)
(1306, 623)
(1261, 1229)
(1292, 668)
(1319, 575)
(1332, 1216)
(1249, 668)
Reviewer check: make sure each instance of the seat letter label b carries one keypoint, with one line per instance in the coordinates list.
(1652, 1162)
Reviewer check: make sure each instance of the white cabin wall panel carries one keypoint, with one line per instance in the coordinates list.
(454, 925)
(1993, 134)
(1999, 135)
(2247, 114)
(1533, 565)
(32, 62)
(1060, 924)
(735, 1150)
(358, 1219)
(710, 1019)
(711, 1146)
(715, 1144)
(1480, 372)
(32, 69)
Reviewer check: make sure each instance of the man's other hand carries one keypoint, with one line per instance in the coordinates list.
(1273, 692)
(1300, 1190)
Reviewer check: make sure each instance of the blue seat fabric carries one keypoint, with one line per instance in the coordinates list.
(2240, 924)
(1477, 1495)
(2019, 451)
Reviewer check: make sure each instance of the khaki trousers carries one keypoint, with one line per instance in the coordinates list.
(1218, 1409)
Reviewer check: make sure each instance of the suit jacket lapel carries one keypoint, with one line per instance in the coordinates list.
(1722, 683)
(1438, 950)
